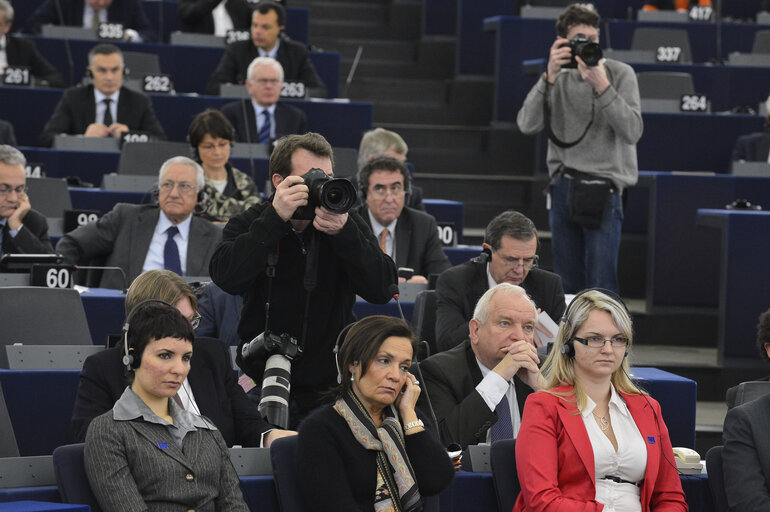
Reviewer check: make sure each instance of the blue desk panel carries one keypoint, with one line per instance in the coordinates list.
(677, 396)
(518, 40)
(684, 259)
(41, 506)
(468, 492)
(105, 311)
(342, 123)
(40, 406)
(744, 280)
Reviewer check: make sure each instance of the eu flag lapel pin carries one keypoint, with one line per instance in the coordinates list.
(651, 439)
(163, 446)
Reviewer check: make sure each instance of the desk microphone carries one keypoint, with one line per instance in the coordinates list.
(93, 267)
(67, 49)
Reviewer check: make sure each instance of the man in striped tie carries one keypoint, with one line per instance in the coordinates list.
(479, 387)
(262, 118)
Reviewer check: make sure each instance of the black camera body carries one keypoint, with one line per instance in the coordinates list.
(337, 195)
(269, 343)
(582, 46)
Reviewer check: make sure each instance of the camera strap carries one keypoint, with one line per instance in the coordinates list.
(310, 281)
(547, 119)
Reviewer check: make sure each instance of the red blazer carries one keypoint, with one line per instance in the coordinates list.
(555, 461)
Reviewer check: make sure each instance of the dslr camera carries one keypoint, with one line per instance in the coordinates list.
(337, 195)
(277, 351)
(582, 46)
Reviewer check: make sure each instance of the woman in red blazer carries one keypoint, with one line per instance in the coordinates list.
(592, 440)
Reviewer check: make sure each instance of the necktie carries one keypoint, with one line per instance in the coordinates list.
(171, 252)
(263, 137)
(503, 429)
(383, 240)
(107, 112)
(95, 22)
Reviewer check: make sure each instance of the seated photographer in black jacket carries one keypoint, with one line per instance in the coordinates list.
(211, 388)
(319, 263)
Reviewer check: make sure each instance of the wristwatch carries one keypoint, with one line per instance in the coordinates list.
(414, 424)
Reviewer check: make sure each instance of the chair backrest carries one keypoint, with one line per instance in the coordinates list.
(424, 318)
(345, 162)
(716, 478)
(70, 469)
(23, 308)
(283, 454)
(8, 446)
(49, 195)
(504, 475)
(665, 85)
(140, 63)
(761, 42)
(145, 158)
(653, 38)
(49, 357)
(751, 390)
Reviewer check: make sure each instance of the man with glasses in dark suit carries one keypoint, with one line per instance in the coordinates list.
(510, 256)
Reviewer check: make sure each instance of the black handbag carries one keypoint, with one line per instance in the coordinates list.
(588, 198)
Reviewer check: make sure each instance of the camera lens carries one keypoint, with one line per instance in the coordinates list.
(338, 195)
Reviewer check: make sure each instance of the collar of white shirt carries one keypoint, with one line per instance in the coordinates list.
(99, 97)
(183, 227)
(616, 402)
(272, 53)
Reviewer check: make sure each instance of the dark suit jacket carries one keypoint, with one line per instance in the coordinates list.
(451, 378)
(31, 239)
(195, 15)
(288, 120)
(6, 134)
(746, 456)
(460, 288)
(128, 13)
(417, 243)
(212, 379)
(123, 236)
(77, 109)
(22, 52)
(293, 56)
(754, 147)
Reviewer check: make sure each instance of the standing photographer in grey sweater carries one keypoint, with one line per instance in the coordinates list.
(590, 109)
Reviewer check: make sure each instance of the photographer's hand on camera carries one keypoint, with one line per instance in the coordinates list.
(595, 76)
(327, 222)
(560, 55)
(290, 194)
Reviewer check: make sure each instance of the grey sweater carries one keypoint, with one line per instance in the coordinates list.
(609, 148)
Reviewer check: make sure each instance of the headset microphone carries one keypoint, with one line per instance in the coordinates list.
(129, 361)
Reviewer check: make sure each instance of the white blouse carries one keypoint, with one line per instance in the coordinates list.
(628, 462)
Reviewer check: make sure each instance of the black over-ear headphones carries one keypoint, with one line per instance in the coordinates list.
(336, 350)
(129, 361)
(568, 348)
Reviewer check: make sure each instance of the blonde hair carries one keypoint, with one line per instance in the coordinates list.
(559, 370)
(164, 285)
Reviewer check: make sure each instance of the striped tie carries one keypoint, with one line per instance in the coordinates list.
(263, 137)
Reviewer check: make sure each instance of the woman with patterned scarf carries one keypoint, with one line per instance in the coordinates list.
(370, 449)
(228, 191)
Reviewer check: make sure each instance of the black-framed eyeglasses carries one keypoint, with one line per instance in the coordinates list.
(195, 321)
(598, 342)
(526, 263)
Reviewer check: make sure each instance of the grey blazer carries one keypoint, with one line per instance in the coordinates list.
(135, 465)
(122, 237)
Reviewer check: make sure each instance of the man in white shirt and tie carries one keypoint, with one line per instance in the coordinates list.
(479, 387)
(262, 118)
(146, 237)
(84, 109)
